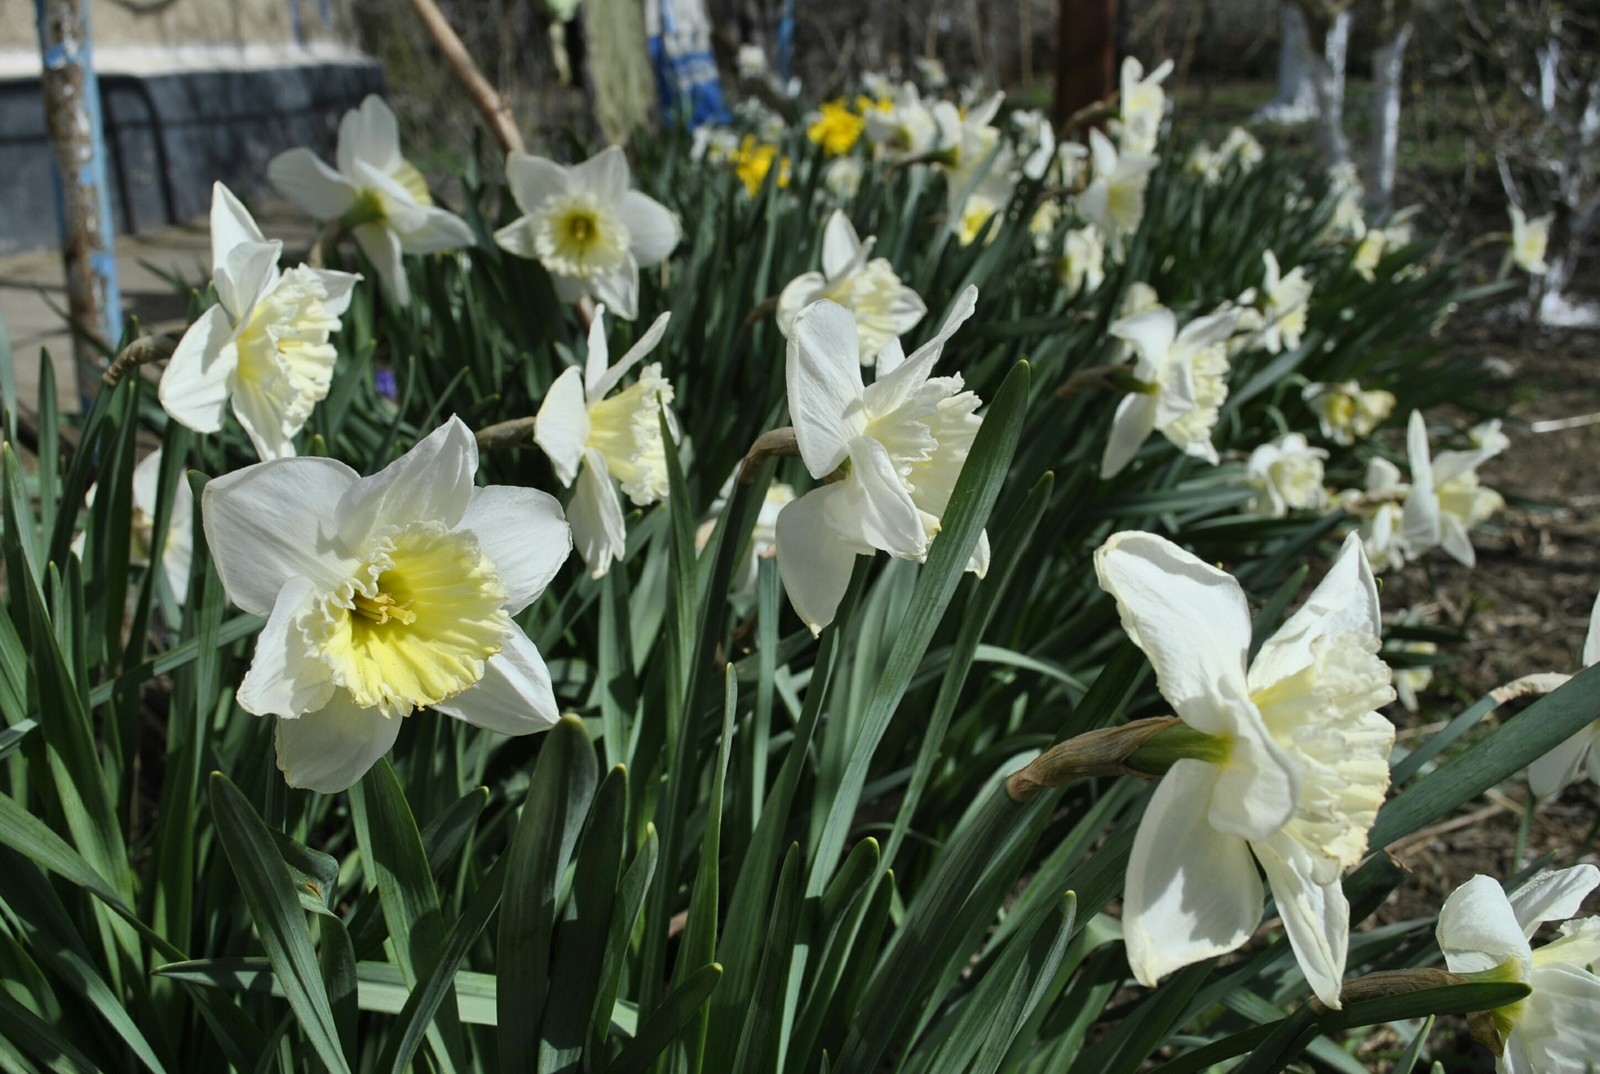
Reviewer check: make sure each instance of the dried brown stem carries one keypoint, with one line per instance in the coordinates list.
(488, 100)
(142, 351)
(768, 445)
(1096, 753)
(505, 434)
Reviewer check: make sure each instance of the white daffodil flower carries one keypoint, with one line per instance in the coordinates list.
(1529, 239)
(591, 439)
(382, 595)
(1580, 754)
(1346, 412)
(1381, 510)
(1180, 383)
(1293, 768)
(1284, 302)
(763, 542)
(1143, 105)
(991, 196)
(842, 177)
(1038, 135)
(884, 308)
(1082, 266)
(1446, 499)
(1241, 146)
(1486, 934)
(902, 125)
(587, 227)
(900, 443)
(264, 347)
(1042, 225)
(1114, 198)
(1287, 476)
(178, 550)
(378, 194)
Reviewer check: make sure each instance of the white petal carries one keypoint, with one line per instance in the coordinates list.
(620, 289)
(534, 179)
(561, 427)
(1131, 426)
(247, 272)
(194, 387)
(1591, 641)
(653, 230)
(1453, 538)
(273, 521)
(1478, 929)
(231, 224)
(605, 175)
(960, 310)
(1556, 1027)
(382, 248)
(978, 562)
(147, 483)
(1346, 599)
(601, 387)
(369, 134)
(1259, 785)
(1562, 766)
(437, 230)
(824, 381)
(796, 295)
(285, 676)
(595, 515)
(813, 561)
(304, 179)
(514, 697)
(1192, 893)
(265, 418)
(1553, 895)
(840, 245)
(524, 532)
(1151, 334)
(1190, 619)
(517, 238)
(430, 483)
(873, 507)
(891, 356)
(331, 749)
(1316, 917)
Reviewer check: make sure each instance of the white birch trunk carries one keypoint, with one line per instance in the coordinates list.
(1388, 64)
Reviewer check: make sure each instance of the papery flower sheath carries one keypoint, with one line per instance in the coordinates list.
(1294, 768)
(382, 595)
(899, 442)
(587, 227)
(264, 347)
(592, 439)
(884, 308)
(378, 194)
(1486, 934)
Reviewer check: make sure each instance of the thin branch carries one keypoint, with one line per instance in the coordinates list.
(488, 100)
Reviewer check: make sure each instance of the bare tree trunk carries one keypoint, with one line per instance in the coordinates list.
(1327, 65)
(1388, 63)
(88, 242)
(1296, 100)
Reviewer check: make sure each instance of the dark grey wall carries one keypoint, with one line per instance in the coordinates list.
(168, 137)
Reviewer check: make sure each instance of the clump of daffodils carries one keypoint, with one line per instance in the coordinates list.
(589, 229)
(264, 349)
(607, 442)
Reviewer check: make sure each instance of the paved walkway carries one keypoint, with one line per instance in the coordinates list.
(33, 290)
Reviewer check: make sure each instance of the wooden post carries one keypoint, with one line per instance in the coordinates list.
(88, 238)
(1086, 58)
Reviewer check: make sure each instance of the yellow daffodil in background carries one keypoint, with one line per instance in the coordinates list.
(264, 347)
(1487, 935)
(1290, 766)
(382, 595)
(1529, 239)
(836, 129)
(589, 229)
(592, 439)
(884, 308)
(379, 195)
(754, 159)
(899, 442)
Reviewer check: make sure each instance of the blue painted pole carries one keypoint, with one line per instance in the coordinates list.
(88, 236)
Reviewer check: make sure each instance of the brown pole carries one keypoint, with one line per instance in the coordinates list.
(1086, 59)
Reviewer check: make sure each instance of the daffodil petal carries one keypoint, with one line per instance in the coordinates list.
(231, 224)
(873, 507)
(653, 230)
(1192, 892)
(824, 382)
(1151, 334)
(620, 289)
(194, 387)
(517, 238)
(605, 173)
(271, 522)
(1190, 619)
(382, 248)
(1478, 929)
(285, 677)
(524, 533)
(244, 275)
(796, 295)
(561, 428)
(437, 230)
(305, 180)
(265, 416)
(1558, 1034)
(1561, 767)
(331, 749)
(814, 562)
(369, 134)
(599, 531)
(610, 378)
(431, 482)
(1346, 599)
(840, 245)
(1258, 787)
(1315, 916)
(1131, 426)
(1591, 641)
(1553, 895)
(514, 697)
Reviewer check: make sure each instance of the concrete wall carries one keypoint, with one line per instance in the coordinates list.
(192, 91)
